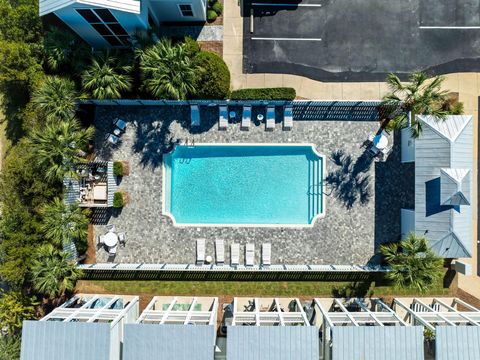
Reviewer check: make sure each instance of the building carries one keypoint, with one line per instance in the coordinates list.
(110, 23)
(84, 327)
(443, 179)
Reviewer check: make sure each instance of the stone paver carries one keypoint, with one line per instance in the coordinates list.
(346, 235)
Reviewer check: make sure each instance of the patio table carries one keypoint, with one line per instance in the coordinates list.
(110, 239)
(380, 141)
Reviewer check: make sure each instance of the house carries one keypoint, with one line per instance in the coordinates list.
(443, 156)
(110, 23)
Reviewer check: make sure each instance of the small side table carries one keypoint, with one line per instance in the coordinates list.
(232, 115)
(260, 117)
(208, 259)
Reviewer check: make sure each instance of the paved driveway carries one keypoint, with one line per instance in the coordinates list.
(361, 40)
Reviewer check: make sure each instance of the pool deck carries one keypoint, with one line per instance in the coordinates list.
(362, 198)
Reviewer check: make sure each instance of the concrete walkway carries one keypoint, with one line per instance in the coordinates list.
(466, 84)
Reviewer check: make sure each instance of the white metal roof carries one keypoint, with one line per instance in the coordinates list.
(49, 6)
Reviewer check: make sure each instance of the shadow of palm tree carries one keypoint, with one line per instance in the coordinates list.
(350, 183)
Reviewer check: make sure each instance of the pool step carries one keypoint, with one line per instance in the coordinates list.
(315, 188)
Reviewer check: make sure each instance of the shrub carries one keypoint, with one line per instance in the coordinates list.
(192, 48)
(211, 15)
(117, 168)
(118, 201)
(217, 7)
(281, 93)
(213, 79)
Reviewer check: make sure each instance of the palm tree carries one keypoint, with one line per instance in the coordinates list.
(167, 70)
(105, 79)
(57, 147)
(422, 95)
(413, 263)
(55, 98)
(63, 50)
(62, 222)
(51, 273)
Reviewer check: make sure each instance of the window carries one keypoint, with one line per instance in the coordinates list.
(186, 10)
(103, 21)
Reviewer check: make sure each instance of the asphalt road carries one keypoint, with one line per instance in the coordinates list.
(361, 40)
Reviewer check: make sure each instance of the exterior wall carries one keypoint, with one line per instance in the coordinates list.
(129, 21)
(407, 222)
(168, 10)
(407, 146)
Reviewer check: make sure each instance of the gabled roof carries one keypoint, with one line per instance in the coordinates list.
(49, 6)
(455, 186)
(56, 340)
(449, 128)
(443, 163)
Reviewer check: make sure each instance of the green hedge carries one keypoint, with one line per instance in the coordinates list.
(117, 168)
(281, 93)
(118, 201)
(213, 79)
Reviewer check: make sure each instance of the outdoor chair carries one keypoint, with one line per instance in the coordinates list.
(266, 254)
(222, 117)
(220, 252)
(246, 117)
(249, 254)
(111, 228)
(234, 254)
(200, 252)
(112, 250)
(288, 117)
(270, 122)
(112, 139)
(122, 239)
(100, 241)
(120, 124)
(194, 115)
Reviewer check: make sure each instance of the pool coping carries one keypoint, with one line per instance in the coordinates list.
(184, 225)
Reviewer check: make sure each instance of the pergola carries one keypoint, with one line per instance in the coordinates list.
(113, 309)
(180, 310)
(439, 312)
(269, 312)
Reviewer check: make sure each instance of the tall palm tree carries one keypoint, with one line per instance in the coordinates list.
(421, 95)
(56, 147)
(55, 98)
(167, 70)
(413, 263)
(51, 273)
(62, 222)
(65, 51)
(104, 79)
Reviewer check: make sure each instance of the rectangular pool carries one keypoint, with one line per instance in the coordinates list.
(243, 185)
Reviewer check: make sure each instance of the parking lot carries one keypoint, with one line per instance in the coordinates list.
(361, 40)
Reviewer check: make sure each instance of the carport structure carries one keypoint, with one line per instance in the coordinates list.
(365, 329)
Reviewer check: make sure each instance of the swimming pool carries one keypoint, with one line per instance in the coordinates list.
(243, 185)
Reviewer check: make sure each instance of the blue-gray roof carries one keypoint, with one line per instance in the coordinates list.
(443, 158)
(457, 343)
(173, 342)
(56, 340)
(272, 343)
(377, 343)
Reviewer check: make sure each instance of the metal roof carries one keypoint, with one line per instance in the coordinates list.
(49, 6)
(272, 343)
(55, 340)
(457, 343)
(173, 342)
(377, 343)
(444, 152)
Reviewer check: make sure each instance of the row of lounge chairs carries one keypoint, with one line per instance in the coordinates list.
(223, 117)
(234, 253)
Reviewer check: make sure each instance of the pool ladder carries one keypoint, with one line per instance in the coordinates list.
(189, 142)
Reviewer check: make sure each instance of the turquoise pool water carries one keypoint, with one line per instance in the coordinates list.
(243, 185)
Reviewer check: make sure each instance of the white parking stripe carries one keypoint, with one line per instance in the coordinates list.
(287, 39)
(451, 27)
(292, 5)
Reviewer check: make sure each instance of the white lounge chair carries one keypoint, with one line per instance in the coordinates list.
(111, 228)
(200, 251)
(112, 139)
(288, 117)
(120, 124)
(194, 115)
(270, 122)
(220, 251)
(246, 117)
(249, 254)
(234, 254)
(266, 254)
(122, 239)
(222, 117)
